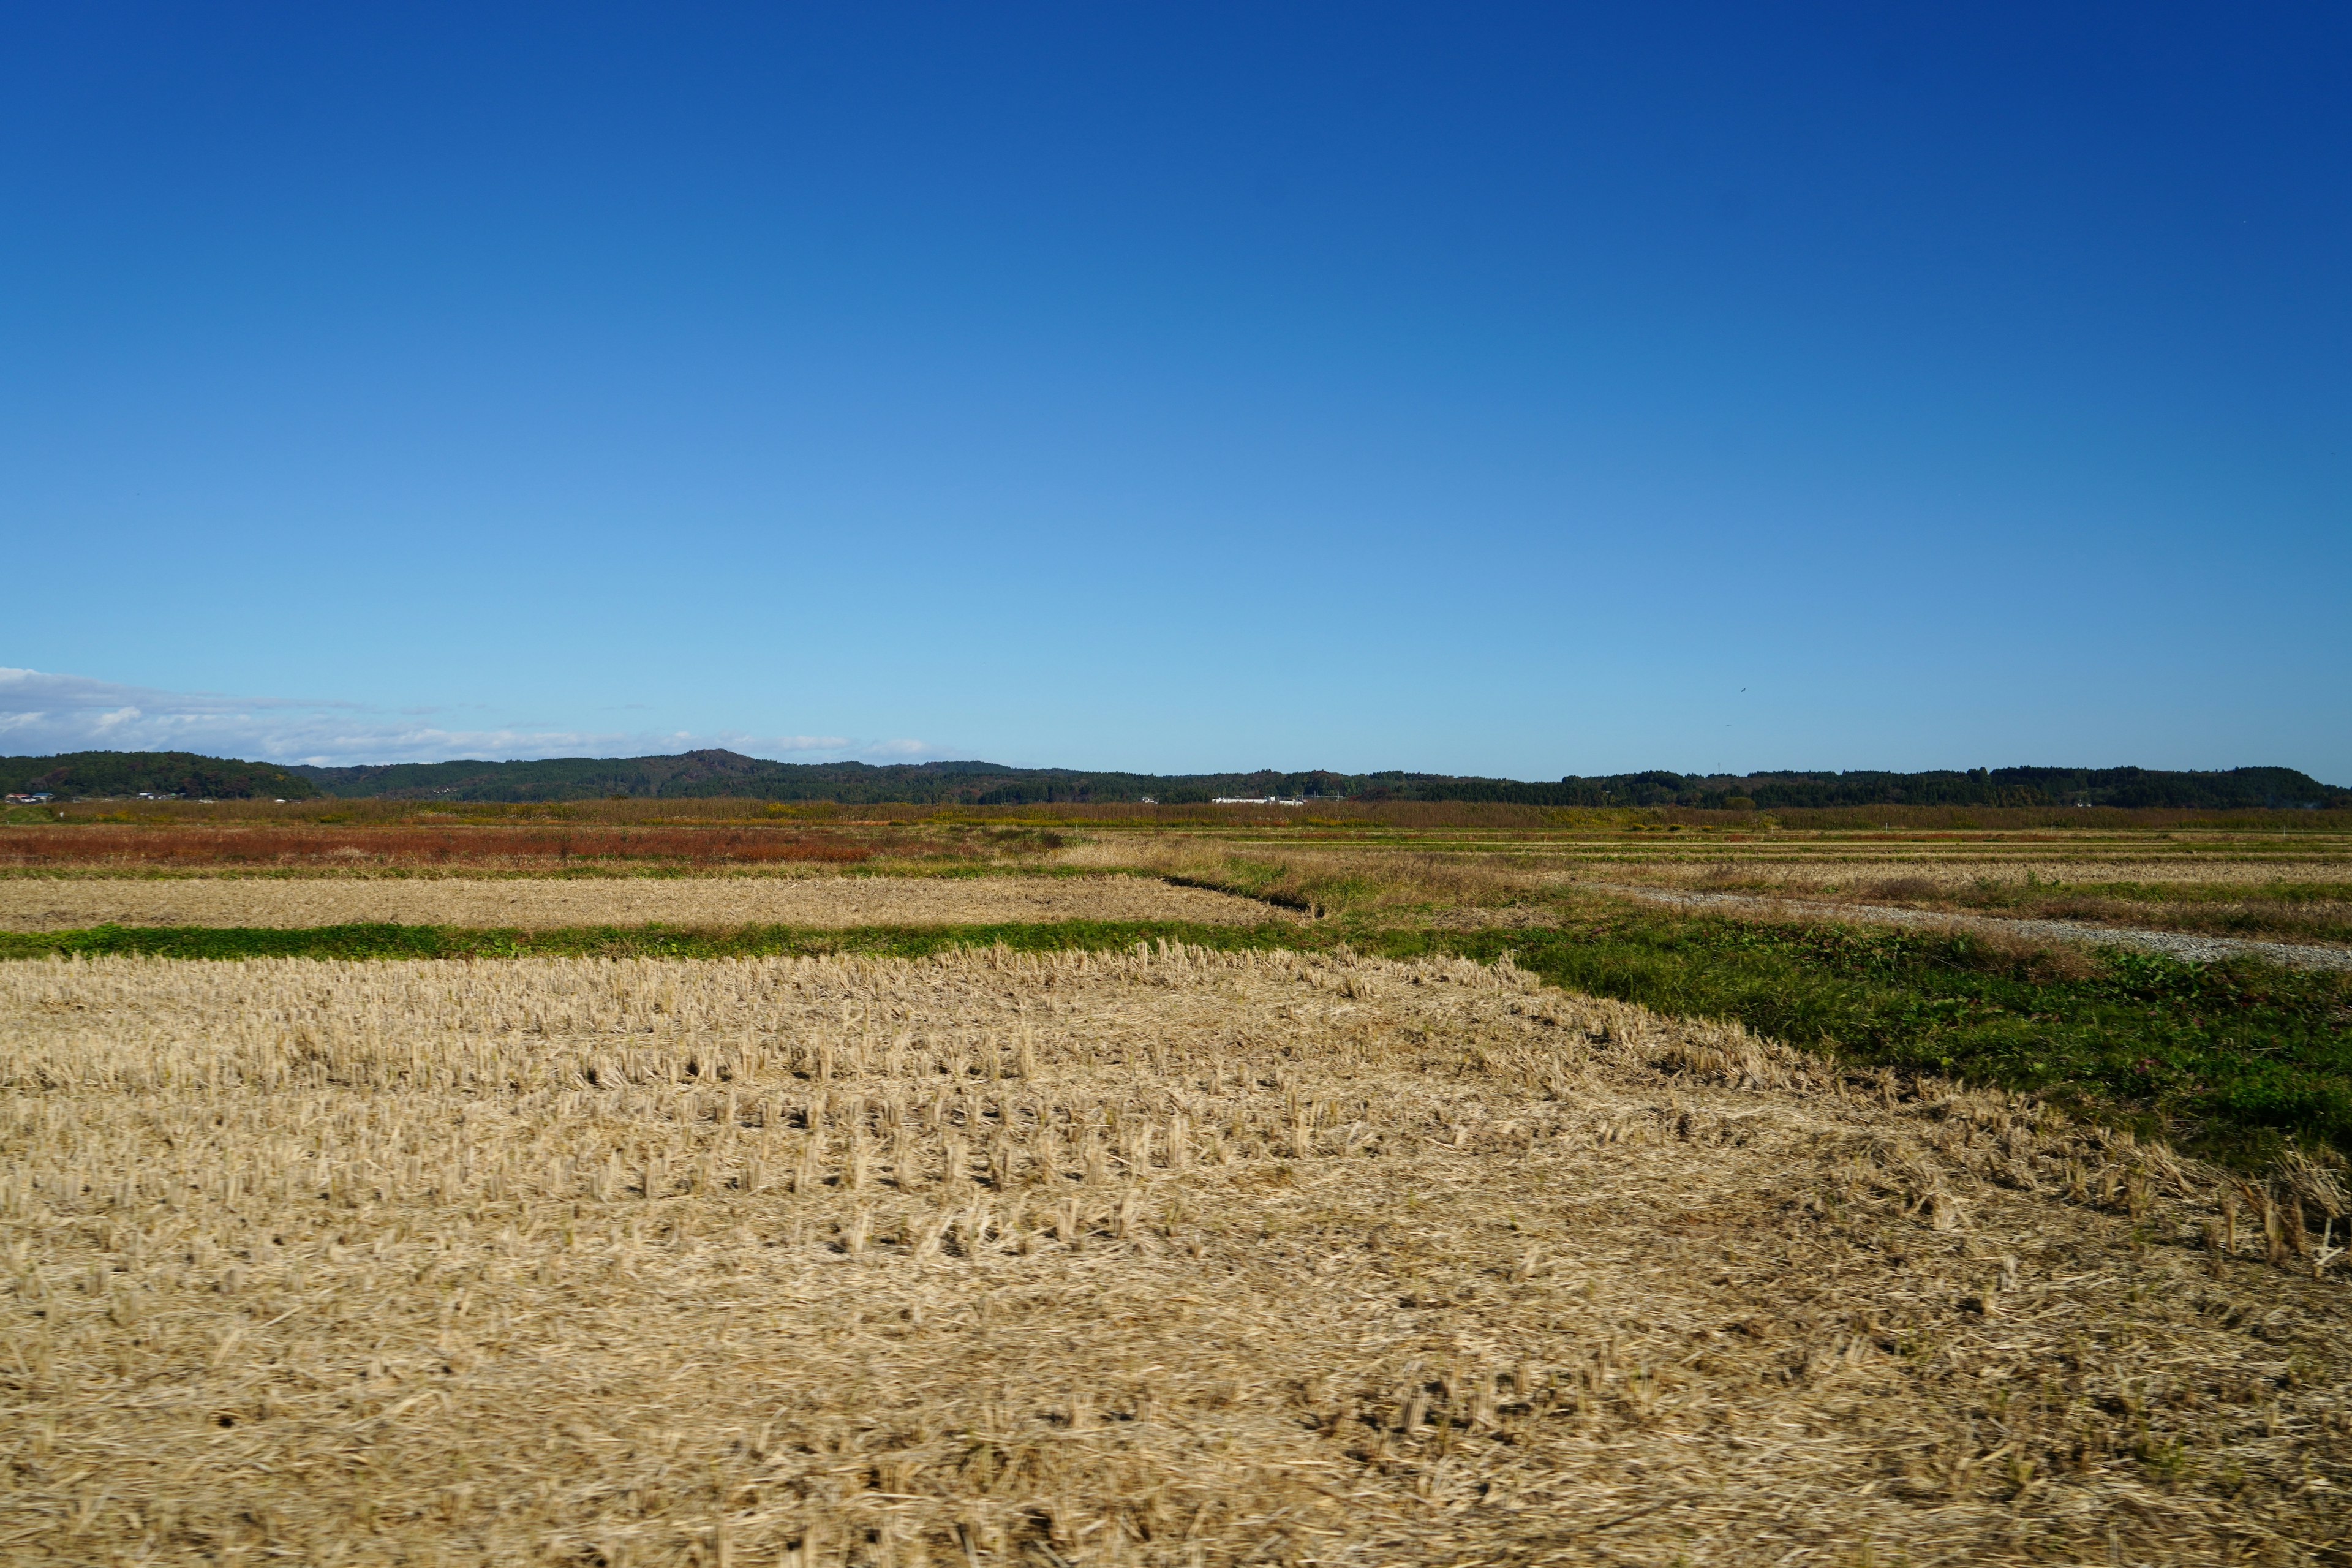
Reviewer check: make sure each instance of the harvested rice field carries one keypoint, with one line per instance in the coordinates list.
(543, 903)
(2308, 900)
(2230, 890)
(1857, 873)
(1155, 1256)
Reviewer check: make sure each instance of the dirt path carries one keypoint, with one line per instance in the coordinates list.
(2171, 944)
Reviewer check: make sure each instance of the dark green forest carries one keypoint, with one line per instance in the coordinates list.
(84, 774)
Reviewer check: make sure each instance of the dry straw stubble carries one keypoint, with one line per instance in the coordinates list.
(1161, 1256)
(540, 903)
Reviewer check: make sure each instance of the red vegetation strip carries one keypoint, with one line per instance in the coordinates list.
(416, 845)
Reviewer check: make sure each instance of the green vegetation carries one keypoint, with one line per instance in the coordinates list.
(2228, 1060)
(438, 942)
(152, 772)
(2231, 1061)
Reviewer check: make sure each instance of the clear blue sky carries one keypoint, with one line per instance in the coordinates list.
(1518, 389)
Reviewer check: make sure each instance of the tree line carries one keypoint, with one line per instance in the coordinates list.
(706, 774)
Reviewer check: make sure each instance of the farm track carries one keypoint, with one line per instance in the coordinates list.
(1163, 1258)
(2171, 944)
(832, 901)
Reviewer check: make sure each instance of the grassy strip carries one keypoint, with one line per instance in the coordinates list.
(579, 869)
(2232, 1060)
(380, 941)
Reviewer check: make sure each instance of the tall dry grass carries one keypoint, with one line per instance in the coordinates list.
(1164, 1257)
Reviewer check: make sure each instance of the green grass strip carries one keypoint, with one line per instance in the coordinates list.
(439, 941)
(2233, 1061)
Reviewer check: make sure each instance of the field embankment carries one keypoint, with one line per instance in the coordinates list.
(2189, 947)
(1155, 1256)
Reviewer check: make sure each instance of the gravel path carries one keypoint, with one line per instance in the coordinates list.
(2171, 944)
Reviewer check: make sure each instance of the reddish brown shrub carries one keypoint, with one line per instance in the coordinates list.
(311, 845)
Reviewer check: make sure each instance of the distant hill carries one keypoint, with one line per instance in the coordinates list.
(721, 773)
(86, 773)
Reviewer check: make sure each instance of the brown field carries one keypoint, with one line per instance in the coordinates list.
(2279, 876)
(1160, 1258)
(1323, 818)
(1968, 866)
(538, 904)
(2291, 900)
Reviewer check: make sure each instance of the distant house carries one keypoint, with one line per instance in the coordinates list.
(1255, 800)
(34, 799)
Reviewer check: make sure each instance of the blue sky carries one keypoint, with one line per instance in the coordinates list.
(1516, 390)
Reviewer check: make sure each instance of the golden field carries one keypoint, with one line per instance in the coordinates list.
(52, 903)
(1159, 1257)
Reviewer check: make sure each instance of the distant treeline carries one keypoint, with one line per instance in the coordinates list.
(989, 784)
(184, 774)
(992, 784)
(718, 772)
(2236, 789)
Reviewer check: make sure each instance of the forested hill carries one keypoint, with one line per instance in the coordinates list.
(718, 772)
(104, 774)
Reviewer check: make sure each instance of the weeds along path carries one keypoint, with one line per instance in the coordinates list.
(2171, 944)
(538, 903)
(1161, 1256)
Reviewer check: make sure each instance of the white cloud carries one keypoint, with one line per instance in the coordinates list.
(41, 712)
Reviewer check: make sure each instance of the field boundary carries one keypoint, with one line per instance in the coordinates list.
(2180, 945)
